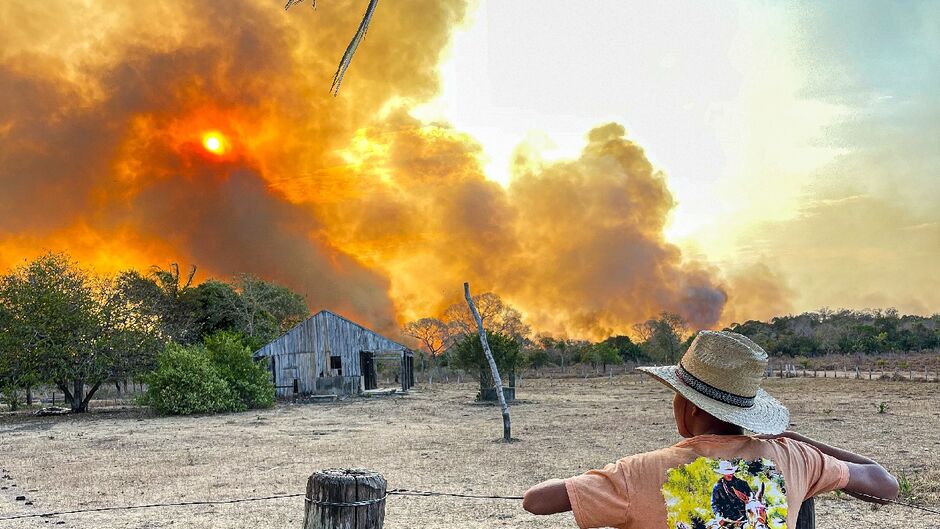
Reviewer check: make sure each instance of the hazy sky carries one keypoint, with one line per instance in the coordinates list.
(804, 137)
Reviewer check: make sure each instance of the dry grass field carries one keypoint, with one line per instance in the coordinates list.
(436, 439)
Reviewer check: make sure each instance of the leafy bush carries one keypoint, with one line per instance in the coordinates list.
(9, 396)
(186, 382)
(250, 382)
(218, 376)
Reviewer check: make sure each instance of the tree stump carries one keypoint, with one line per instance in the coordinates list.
(806, 519)
(329, 491)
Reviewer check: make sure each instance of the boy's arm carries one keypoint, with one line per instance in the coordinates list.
(548, 497)
(866, 476)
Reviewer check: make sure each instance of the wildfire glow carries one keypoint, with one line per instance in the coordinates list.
(214, 142)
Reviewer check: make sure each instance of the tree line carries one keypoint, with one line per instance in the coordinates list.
(451, 340)
(64, 326)
(843, 331)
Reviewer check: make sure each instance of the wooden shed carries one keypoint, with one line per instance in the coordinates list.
(329, 354)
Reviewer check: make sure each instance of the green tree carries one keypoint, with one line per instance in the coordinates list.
(48, 311)
(80, 330)
(166, 295)
(468, 355)
(218, 307)
(662, 337)
(266, 309)
(535, 357)
(17, 363)
(554, 349)
(625, 347)
(177, 302)
(604, 353)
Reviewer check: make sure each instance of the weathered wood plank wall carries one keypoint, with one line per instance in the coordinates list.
(304, 352)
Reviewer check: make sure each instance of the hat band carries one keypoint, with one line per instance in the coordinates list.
(711, 391)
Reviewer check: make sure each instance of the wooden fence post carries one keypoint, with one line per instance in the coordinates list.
(806, 519)
(328, 492)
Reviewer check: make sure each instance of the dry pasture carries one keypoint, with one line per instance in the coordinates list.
(432, 439)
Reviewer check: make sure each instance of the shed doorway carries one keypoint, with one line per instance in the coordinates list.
(367, 368)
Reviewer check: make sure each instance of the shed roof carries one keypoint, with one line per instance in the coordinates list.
(392, 343)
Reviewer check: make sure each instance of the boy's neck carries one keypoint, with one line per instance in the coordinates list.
(721, 428)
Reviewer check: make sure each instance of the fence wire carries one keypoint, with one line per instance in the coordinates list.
(149, 506)
(392, 492)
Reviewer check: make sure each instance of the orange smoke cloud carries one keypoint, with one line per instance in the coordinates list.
(576, 245)
(364, 210)
(102, 132)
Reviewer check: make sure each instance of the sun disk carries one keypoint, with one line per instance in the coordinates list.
(214, 142)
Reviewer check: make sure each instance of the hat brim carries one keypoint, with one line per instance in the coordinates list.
(766, 416)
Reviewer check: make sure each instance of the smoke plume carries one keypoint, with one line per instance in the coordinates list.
(576, 245)
(349, 200)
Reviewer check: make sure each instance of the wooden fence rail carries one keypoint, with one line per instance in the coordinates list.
(787, 370)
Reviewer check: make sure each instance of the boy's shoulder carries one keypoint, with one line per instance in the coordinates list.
(713, 447)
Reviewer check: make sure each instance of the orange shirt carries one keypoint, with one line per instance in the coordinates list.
(707, 482)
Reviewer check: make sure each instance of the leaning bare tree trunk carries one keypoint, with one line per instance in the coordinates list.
(507, 425)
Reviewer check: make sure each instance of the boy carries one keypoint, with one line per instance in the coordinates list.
(717, 477)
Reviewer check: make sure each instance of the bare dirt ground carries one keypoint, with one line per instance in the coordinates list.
(432, 439)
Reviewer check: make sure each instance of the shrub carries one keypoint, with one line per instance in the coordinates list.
(186, 382)
(218, 376)
(250, 382)
(9, 395)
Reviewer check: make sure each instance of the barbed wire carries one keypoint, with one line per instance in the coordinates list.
(393, 492)
(362, 503)
(150, 506)
(898, 502)
(408, 492)
(372, 501)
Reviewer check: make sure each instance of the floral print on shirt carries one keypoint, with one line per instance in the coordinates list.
(725, 493)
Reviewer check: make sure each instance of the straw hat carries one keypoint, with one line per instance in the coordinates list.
(721, 374)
